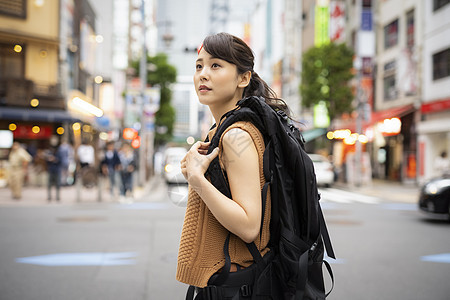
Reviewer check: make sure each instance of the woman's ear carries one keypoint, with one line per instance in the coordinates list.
(244, 79)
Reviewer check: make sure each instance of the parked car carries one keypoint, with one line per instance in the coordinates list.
(324, 170)
(172, 167)
(434, 199)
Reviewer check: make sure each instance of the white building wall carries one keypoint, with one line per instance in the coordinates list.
(437, 38)
(389, 11)
(434, 128)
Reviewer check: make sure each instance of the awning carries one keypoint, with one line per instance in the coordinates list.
(377, 116)
(313, 134)
(397, 112)
(36, 114)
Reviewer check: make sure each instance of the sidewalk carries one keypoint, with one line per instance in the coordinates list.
(36, 196)
(387, 190)
(154, 190)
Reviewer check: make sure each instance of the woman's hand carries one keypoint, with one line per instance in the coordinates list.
(196, 162)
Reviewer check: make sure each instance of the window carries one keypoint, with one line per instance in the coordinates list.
(441, 64)
(14, 8)
(12, 62)
(410, 29)
(391, 34)
(366, 3)
(389, 82)
(439, 3)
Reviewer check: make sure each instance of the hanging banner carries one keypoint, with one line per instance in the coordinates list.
(337, 21)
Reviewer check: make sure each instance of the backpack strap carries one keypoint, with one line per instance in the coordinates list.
(223, 275)
(325, 234)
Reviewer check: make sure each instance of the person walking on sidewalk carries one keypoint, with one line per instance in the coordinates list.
(442, 164)
(54, 160)
(110, 164)
(127, 167)
(18, 162)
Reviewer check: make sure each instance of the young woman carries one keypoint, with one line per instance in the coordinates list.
(223, 75)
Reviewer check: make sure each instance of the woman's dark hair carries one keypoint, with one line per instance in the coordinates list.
(235, 51)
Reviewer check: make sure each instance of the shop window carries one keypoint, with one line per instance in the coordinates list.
(439, 3)
(441, 64)
(12, 61)
(410, 29)
(14, 8)
(389, 81)
(367, 3)
(391, 34)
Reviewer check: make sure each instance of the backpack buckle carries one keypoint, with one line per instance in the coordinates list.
(246, 290)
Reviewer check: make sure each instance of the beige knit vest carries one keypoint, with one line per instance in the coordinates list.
(202, 238)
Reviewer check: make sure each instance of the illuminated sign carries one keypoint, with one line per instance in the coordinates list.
(390, 126)
(321, 26)
(130, 133)
(136, 142)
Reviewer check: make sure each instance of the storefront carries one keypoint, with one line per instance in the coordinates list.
(388, 141)
(33, 128)
(433, 137)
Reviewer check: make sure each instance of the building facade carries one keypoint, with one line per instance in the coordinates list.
(32, 100)
(433, 125)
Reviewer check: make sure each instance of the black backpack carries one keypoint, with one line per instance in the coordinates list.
(298, 231)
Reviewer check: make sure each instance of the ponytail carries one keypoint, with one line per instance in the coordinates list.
(258, 87)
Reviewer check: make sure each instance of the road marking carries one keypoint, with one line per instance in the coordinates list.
(400, 206)
(340, 196)
(338, 261)
(81, 259)
(438, 258)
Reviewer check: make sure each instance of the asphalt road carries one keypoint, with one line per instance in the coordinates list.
(128, 251)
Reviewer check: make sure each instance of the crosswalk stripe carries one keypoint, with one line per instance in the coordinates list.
(340, 196)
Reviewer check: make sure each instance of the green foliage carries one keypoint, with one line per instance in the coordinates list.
(161, 73)
(326, 71)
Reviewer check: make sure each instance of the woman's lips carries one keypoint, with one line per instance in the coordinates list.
(203, 88)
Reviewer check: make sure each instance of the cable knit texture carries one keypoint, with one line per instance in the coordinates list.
(202, 238)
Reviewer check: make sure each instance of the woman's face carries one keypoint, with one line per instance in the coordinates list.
(216, 81)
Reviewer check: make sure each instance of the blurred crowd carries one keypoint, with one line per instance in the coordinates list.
(61, 164)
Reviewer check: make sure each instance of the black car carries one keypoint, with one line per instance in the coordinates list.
(435, 198)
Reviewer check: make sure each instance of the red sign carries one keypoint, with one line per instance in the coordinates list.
(33, 132)
(435, 106)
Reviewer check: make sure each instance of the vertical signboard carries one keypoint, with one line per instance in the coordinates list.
(321, 25)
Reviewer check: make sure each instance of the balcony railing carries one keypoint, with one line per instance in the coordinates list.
(19, 92)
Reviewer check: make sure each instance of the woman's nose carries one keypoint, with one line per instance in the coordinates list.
(204, 74)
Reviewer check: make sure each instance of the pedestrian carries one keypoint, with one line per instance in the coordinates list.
(127, 167)
(54, 160)
(223, 75)
(86, 160)
(86, 155)
(442, 164)
(39, 166)
(110, 164)
(67, 154)
(18, 162)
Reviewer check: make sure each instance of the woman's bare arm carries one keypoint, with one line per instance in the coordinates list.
(242, 214)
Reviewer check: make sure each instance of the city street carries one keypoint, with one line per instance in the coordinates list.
(109, 250)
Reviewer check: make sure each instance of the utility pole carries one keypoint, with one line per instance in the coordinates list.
(143, 80)
(365, 44)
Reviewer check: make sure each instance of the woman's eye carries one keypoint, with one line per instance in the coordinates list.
(215, 65)
(198, 66)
